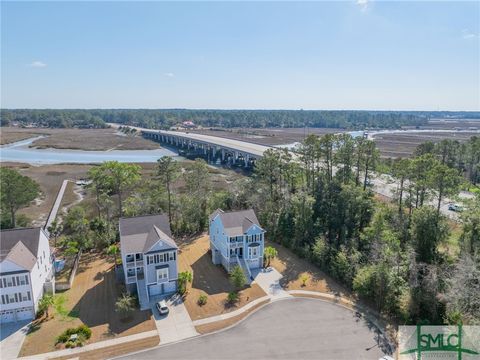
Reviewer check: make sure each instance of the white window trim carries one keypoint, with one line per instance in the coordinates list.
(162, 275)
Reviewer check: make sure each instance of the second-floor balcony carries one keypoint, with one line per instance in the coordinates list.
(131, 262)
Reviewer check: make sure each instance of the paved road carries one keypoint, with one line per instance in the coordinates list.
(288, 329)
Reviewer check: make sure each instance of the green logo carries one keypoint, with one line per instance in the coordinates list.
(439, 342)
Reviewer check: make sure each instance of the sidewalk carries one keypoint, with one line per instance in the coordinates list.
(232, 313)
(90, 347)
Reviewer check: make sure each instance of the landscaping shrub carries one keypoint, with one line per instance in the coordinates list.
(232, 297)
(83, 332)
(202, 299)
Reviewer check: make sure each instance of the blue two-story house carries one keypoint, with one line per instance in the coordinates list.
(149, 256)
(236, 238)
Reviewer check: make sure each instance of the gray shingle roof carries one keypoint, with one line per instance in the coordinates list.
(139, 234)
(236, 222)
(20, 246)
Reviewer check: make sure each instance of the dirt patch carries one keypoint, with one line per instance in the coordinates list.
(218, 325)
(293, 268)
(116, 350)
(210, 280)
(90, 301)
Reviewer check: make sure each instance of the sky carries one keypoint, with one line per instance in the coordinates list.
(360, 54)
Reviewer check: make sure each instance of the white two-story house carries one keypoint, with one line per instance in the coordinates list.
(236, 238)
(149, 256)
(26, 272)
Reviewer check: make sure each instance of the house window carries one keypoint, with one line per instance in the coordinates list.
(172, 256)
(162, 274)
(253, 252)
(26, 279)
(28, 296)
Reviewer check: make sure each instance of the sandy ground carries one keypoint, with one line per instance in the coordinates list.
(117, 350)
(90, 301)
(211, 280)
(81, 139)
(292, 267)
(218, 325)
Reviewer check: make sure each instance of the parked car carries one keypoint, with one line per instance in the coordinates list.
(455, 207)
(162, 307)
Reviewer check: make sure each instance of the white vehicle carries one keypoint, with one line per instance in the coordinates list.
(162, 307)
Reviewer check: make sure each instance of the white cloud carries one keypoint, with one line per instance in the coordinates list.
(37, 64)
(169, 74)
(467, 34)
(363, 4)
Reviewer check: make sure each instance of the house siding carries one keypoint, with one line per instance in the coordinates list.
(41, 272)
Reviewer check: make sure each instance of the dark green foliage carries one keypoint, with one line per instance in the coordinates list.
(224, 118)
(17, 191)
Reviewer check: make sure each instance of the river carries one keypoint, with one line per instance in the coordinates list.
(21, 152)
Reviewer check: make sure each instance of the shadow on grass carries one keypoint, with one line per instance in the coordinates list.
(97, 306)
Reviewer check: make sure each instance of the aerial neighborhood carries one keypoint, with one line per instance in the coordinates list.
(235, 180)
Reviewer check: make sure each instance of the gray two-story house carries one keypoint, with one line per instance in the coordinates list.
(149, 256)
(236, 238)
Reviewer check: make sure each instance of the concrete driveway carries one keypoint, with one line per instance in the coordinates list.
(295, 328)
(12, 336)
(269, 280)
(175, 326)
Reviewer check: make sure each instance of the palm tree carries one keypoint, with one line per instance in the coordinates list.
(112, 250)
(125, 304)
(269, 253)
(44, 304)
(184, 278)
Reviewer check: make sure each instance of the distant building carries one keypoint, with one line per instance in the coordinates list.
(236, 238)
(26, 272)
(189, 125)
(149, 256)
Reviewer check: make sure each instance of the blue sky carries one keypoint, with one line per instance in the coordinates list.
(256, 55)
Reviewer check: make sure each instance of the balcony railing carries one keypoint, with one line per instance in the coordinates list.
(131, 279)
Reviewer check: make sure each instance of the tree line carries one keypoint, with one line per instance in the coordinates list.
(165, 118)
(402, 258)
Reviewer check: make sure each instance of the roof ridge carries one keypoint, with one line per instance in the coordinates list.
(139, 216)
(22, 228)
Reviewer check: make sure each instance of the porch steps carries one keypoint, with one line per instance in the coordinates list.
(142, 295)
(245, 268)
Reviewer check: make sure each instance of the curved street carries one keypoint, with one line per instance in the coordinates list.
(297, 328)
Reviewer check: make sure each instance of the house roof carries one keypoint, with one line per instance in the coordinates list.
(139, 234)
(236, 222)
(20, 246)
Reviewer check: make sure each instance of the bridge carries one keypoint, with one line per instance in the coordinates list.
(213, 148)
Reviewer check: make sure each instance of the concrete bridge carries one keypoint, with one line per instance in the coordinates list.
(213, 148)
